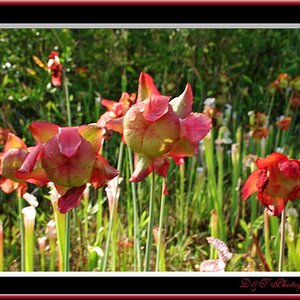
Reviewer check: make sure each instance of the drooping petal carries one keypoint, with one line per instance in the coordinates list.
(271, 160)
(161, 166)
(71, 199)
(192, 130)
(30, 160)
(69, 141)
(102, 172)
(275, 205)
(195, 127)
(182, 105)
(43, 131)
(14, 142)
(250, 186)
(155, 107)
(146, 87)
(143, 167)
(116, 125)
(93, 134)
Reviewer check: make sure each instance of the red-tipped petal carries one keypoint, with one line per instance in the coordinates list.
(146, 87)
(43, 131)
(143, 167)
(161, 166)
(109, 104)
(93, 134)
(116, 125)
(102, 173)
(155, 107)
(14, 142)
(250, 186)
(30, 160)
(70, 199)
(271, 160)
(195, 127)
(182, 105)
(69, 141)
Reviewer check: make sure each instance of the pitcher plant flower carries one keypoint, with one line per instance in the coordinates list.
(276, 181)
(55, 68)
(157, 129)
(13, 157)
(70, 158)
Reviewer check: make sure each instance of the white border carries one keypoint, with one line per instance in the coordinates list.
(149, 26)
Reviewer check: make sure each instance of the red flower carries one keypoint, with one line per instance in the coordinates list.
(295, 102)
(15, 153)
(156, 128)
(284, 123)
(276, 181)
(116, 109)
(55, 68)
(70, 157)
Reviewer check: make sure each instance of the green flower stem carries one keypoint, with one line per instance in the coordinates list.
(160, 230)
(22, 234)
(60, 223)
(68, 216)
(29, 221)
(52, 246)
(67, 247)
(267, 239)
(137, 244)
(112, 215)
(150, 224)
(282, 241)
(181, 197)
(1, 247)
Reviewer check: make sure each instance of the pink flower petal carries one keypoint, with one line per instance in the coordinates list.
(182, 105)
(70, 199)
(195, 127)
(43, 131)
(69, 141)
(155, 107)
(146, 87)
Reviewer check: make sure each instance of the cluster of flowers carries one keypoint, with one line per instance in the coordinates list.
(153, 127)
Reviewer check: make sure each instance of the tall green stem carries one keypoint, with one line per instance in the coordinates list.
(68, 216)
(22, 234)
(150, 224)
(160, 229)
(282, 241)
(112, 215)
(137, 245)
